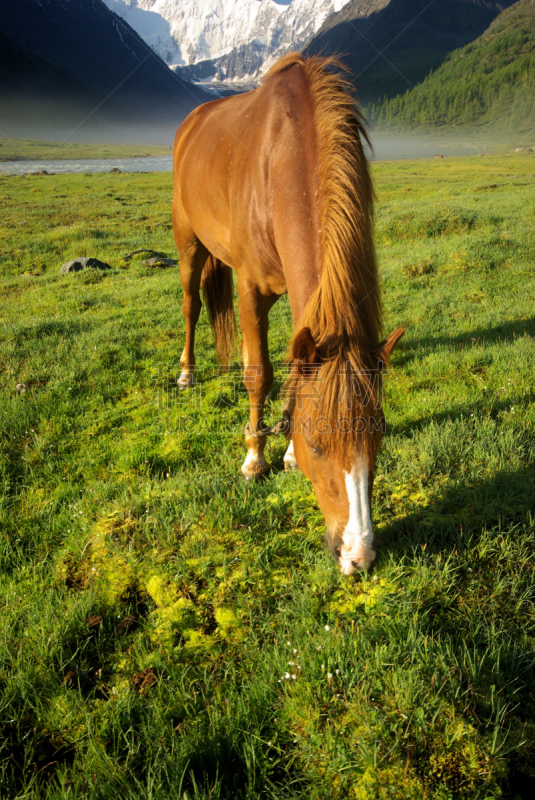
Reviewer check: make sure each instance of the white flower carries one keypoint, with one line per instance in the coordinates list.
(327, 628)
(329, 676)
(287, 676)
(323, 666)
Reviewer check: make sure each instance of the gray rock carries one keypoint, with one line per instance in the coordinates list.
(21, 387)
(83, 263)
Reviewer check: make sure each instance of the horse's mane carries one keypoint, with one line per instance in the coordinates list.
(344, 313)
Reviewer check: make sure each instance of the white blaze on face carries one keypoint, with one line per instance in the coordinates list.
(357, 538)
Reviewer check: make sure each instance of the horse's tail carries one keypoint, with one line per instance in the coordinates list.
(218, 296)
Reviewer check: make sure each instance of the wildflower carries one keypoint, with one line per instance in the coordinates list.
(327, 628)
(287, 676)
(329, 676)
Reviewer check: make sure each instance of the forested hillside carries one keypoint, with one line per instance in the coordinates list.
(489, 82)
(392, 45)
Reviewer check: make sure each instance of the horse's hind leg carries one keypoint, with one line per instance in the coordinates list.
(192, 260)
(258, 373)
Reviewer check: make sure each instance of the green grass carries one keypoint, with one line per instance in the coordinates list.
(168, 631)
(40, 150)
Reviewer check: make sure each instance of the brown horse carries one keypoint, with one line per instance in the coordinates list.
(274, 184)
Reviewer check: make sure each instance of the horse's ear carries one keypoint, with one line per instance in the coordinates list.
(384, 351)
(304, 348)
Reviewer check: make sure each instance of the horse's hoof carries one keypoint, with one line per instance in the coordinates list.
(254, 468)
(290, 465)
(289, 459)
(186, 380)
(255, 477)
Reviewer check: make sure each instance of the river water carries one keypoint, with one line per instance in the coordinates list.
(385, 148)
(80, 165)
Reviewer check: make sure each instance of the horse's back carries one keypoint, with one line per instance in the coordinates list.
(246, 175)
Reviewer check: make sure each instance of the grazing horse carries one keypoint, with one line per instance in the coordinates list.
(274, 184)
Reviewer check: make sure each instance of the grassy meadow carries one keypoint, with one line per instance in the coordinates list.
(40, 150)
(169, 631)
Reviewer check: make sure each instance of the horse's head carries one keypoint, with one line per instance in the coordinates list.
(337, 425)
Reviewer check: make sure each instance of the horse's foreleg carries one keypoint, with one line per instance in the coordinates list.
(289, 458)
(258, 374)
(192, 260)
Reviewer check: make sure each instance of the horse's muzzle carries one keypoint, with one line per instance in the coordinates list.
(349, 562)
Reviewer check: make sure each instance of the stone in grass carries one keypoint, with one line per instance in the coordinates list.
(145, 679)
(143, 252)
(82, 263)
(126, 624)
(141, 256)
(160, 262)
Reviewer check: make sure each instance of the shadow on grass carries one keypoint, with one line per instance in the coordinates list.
(491, 408)
(507, 331)
(455, 521)
(482, 533)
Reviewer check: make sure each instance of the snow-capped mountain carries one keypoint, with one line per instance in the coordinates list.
(186, 32)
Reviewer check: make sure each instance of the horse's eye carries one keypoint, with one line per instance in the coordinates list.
(315, 449)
